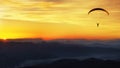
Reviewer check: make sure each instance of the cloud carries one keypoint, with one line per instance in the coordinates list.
(35, 1)
(57, 1)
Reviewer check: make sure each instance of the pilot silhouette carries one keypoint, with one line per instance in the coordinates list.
(97, 24)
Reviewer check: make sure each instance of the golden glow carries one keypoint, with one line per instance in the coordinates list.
(51, 19)
(4, 38)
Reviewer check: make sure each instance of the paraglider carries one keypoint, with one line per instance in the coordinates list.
(97, 24)
(96, 9)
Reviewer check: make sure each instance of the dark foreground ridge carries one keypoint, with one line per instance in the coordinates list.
(75, 63)
(29, 52)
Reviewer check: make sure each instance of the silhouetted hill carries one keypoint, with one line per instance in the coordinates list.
(14, 53)
(33, 40)
(74, 63)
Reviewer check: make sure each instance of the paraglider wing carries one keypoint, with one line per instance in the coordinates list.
(95, 9)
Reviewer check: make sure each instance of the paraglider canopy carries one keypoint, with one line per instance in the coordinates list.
(96, 9)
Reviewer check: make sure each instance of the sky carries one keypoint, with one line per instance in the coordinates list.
(54, 19)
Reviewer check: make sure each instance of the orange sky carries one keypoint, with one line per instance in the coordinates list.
(51, 19)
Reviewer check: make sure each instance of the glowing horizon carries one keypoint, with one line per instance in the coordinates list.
(54, 19)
